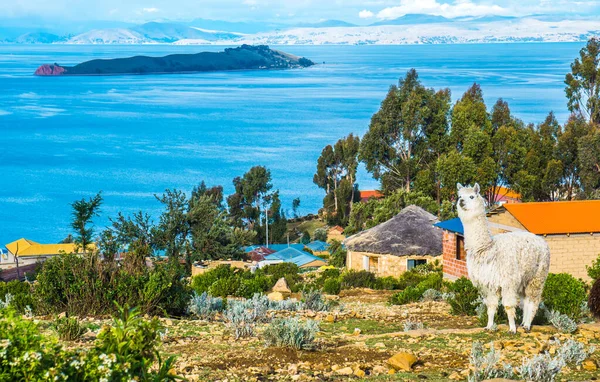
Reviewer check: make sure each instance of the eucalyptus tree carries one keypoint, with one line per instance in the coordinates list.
(583, 83)
(83, 213)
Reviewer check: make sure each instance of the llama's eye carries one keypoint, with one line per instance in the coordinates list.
(472, 197)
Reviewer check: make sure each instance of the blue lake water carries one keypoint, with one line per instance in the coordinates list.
(62, 139)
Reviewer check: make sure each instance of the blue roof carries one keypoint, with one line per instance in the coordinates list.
(318, 245)
(452, 225)
(292, 255)
(275, 247)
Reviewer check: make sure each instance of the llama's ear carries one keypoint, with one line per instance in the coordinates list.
(476, 188)
(459, 186)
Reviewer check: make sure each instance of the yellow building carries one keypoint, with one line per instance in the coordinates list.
(29, 251)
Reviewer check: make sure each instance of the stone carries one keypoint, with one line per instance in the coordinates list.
(275, 296)
(168, 322)
(62, 315)
(345, 371)
(282, 286)
(589, 365)
(330, 318)
(359, 373)
(356, 332)
(378, 370)
(402, 361)
(380, 345)
(455, 376)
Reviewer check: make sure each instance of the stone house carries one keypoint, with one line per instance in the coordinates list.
(391, 248)
(335, 233)
(571, 229)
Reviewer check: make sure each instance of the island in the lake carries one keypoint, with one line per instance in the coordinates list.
(241, 58)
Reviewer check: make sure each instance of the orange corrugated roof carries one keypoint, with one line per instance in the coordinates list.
(558, 217)
(370, 194)
(508, 193)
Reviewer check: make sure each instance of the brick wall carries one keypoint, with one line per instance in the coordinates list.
(453, 268)
(570, 254)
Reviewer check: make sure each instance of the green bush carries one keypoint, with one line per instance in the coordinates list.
(358, 279)
(201, 283)
(464, 298)
(337, 254)
(415, 293)
(320, 234)
(291, 332)
(127, 350)
(84, 285)
(387, 283)
(68, 328)
(565, 294)
(594, 270)
(410, 294)
(332, 286)
(21, 292)
(224, 287)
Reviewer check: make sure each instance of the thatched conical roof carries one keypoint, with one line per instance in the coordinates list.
(411, 232)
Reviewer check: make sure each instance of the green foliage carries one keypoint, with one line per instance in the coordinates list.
(565, 294)
(358, 279)
(337, 254)
(320, 234)
(84, 285)
(205, 306)
(125, 351)
(593, 270)
(291, 332)
(313, 300)
(464, 299)
(305, 238)
(68, 328)
(332, 286)
(21, 292)
(83, 213)
(224, 287)
(415, 293)
(387, 283)
(583, 90)
(289, 271)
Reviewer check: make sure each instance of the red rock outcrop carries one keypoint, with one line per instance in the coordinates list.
(49, 70)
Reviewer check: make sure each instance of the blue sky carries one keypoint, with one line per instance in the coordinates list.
(360, 11)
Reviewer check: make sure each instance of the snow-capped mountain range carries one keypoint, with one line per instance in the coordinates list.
(409, 29)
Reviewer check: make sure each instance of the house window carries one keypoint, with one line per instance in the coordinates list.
(411, 263)
(461, 254)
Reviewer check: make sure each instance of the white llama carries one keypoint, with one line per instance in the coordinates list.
(511, 265)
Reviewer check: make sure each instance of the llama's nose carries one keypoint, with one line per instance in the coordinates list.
(461, 203)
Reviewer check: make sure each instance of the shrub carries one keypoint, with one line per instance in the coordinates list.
(541, 368)
(21, 292)
(240, 320)
(565, 294)
(332, 286)
(594, 270)
(205, 306)
(465, 296)
(486, 366)
(594, 299)
(408, 295)
(574, 352)
(84, 285)
(291, 332)
(68, 328)
(202, 283)
(562, 322)
(286, 305)
(224, 287)
(305, 238)
(313, 300)
(432, 295)
(337, 254)
(387, 283)
(289, 271)
(125, 351)
(409, 325)
(320, 234)
(358, 279)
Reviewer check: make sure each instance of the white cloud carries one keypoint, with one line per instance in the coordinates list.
(433, 7)
(150, 10)
(365, 14)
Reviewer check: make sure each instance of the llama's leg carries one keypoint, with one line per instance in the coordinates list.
(491, 302)
(509, 300)
(533, 294)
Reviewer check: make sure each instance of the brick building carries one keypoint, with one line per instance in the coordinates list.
(571, 229)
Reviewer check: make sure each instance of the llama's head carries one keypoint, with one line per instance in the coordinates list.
(470, 203)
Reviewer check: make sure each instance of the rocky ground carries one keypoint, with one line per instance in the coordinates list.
(364, 340)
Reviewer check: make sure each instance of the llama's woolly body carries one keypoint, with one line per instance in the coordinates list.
(512, 266)
(512, 261)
